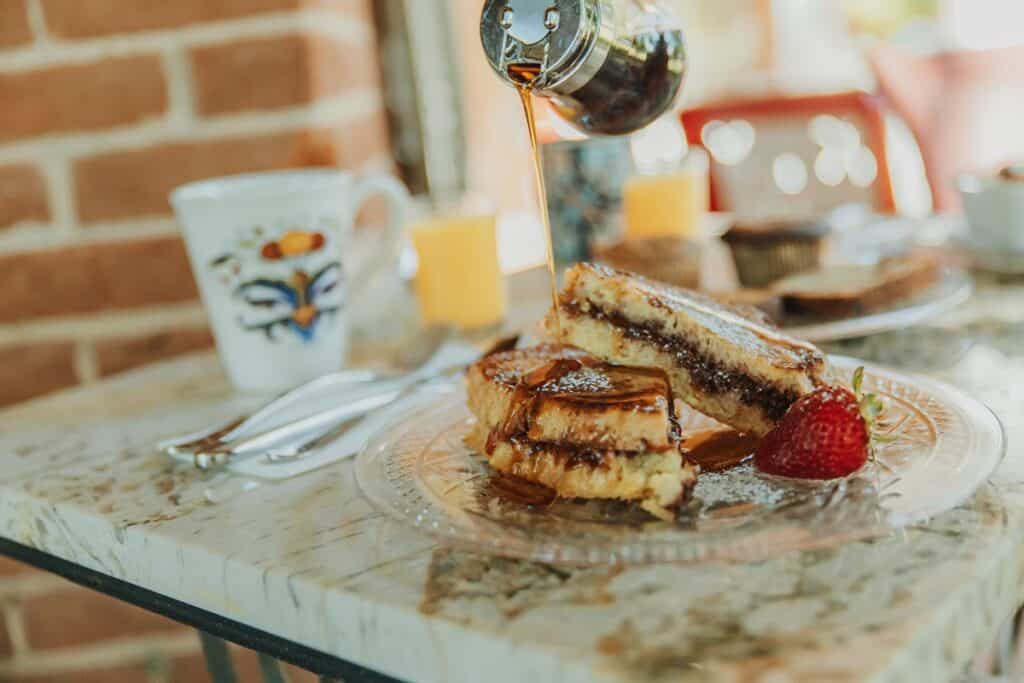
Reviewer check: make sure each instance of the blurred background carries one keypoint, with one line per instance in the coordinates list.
(106, 105)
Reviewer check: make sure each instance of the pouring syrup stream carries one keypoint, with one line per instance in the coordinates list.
(525, 75)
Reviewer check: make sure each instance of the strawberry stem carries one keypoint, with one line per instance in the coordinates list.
(870, 406)
(858, 380)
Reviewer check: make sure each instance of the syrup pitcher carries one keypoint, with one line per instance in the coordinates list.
(609, 67)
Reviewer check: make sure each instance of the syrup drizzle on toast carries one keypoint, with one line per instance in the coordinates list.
(586, 383)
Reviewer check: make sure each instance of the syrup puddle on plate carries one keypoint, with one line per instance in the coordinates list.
(718, 450)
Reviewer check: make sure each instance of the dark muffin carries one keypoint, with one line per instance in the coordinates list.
(673, 260)
(769, 251)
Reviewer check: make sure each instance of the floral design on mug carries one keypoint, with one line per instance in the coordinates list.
(293, 243)
(296, 304)
(283, 283)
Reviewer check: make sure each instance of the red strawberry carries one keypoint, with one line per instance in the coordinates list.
(826, 434)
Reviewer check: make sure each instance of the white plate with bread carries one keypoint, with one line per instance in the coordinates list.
(842, 302)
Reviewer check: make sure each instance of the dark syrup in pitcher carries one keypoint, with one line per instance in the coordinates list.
(633, 87)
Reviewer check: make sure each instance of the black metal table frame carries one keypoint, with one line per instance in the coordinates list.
(213, 628)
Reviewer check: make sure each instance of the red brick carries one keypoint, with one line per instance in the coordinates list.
(44, 283)
(357, 9)
(364, 141)
(129, 673)
(118, 355)
(9, 567)
(76, 97)
(126, 184)
(6, 647)
(14, 28)
(348, 146)
(144, 272)
(293, 69)
(193, 669)
(247, 668)
(33, 370)
(22, 194)
(190, 669)
(94, 277)
(297, 675)
(76, 616)
(87, 18)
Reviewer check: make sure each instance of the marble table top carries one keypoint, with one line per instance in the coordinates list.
(311, 561)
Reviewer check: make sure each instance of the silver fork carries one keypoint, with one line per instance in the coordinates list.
(297, 433)
(296, 451)
(234, 428)
(306, 429)
(292, 452)
(414, 356)
(228, 486)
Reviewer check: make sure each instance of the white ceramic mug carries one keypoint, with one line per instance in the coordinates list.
(270, 252)
(995, 211)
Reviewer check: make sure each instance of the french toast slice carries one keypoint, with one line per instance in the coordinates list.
(738, 371)
(560, 417)
(590, 405)
(658, 482)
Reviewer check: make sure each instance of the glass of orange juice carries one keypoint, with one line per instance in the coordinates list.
(667, 196)
(458, 278)
(668, 202)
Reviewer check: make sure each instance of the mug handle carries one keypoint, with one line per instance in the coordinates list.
(398, 200)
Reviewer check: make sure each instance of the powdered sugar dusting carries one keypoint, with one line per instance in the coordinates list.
(739, 485)
(582, 381)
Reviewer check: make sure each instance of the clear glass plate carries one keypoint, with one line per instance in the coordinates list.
(418, 470)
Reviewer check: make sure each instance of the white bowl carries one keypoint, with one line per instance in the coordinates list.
(995, 211)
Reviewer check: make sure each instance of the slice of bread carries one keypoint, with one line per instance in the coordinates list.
(740, 372)
(657, 482)
(845, 291)
(593, 405)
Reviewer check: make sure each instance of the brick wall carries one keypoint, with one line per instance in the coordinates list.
(105, 106)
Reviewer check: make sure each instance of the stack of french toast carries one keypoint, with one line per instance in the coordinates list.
(594, 413)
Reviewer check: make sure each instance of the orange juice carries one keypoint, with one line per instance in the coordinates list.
(459, 279)
(670, 204)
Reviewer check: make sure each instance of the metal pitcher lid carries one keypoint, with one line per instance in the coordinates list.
(548, 33)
